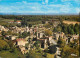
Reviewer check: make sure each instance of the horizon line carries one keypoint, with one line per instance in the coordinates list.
(39, 13)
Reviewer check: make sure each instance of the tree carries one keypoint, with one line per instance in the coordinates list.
(76, 29)
(64, 29)
(30, 25)
(33, 54)
(61, 42)
(55, 29)
(48, 32)
(47, 25)
(70, 30)
(43, 22)
(4, 45)
(24, 22)
(36, 44)
(15, 20)
(67, 51)
(52, 49)
(59, 28)
(24, 34)
(3, 33)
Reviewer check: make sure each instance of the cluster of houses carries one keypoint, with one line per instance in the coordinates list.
(2, 28)
(66, 38)
(17, 22)
(37, 32)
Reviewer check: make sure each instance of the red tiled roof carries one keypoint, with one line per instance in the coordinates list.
(18, 21)
(20, 39)
(51, 36)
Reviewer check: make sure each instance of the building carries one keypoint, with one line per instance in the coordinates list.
(18, 22)
(40, 35)
(11, 22)
(43, 43)
(21, 42)
(74, 37)
(13, 37)
(23, 50)
(2, 28)
(59, 34)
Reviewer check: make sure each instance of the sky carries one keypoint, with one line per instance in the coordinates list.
(40, 6)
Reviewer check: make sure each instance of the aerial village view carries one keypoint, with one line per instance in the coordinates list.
(39, 33)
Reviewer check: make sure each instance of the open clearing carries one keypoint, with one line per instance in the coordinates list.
(70, 22)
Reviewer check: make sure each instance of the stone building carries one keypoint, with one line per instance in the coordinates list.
(40, 35)
(21, 42)
(43, 43)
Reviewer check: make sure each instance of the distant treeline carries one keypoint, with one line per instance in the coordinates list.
(41, 17)
(67, 29)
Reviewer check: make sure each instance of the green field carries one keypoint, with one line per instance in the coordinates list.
(35, 22)
(50, 55)
(5, 21)
(7, 54)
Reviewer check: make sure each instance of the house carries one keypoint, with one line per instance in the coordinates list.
(13, 37)
(43, 43)
(46, 22)
(27, 29)
(74, 37)
(7, 37)
(50, 38)
(19, 29)
(11, 22)
(62, 35)
(21, 42)
(56, 36)
(59, 34)
(2, 28)
(31, 31)
(10, 37)
(71, 38)
(65, 38)
(40, 35)
(23, 50)
(18, 22)
(52, 41)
